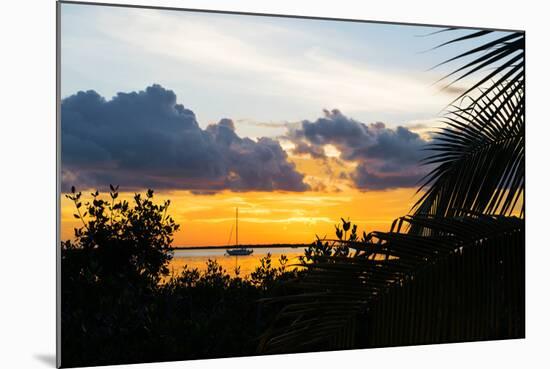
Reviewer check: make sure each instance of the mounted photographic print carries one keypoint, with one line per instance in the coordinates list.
(235, 184)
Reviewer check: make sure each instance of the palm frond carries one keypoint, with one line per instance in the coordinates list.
(502, 58)
(478, 159)
(373, 298)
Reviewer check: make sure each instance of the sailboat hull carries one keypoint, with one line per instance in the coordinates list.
(239, 252)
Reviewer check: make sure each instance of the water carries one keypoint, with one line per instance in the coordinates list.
(196, 258)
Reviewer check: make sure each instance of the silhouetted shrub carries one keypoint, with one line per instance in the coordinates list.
(119, 306)
(323, 248)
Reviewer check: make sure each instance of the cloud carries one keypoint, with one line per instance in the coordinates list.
(267, 124)
(146, 139)
(365, 179)
(385, 157)
(315, 151)
(455, 90)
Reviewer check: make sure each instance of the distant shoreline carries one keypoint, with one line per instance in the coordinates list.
(261, 246)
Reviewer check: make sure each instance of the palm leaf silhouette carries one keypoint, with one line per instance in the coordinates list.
(479, 157)
(397, 288)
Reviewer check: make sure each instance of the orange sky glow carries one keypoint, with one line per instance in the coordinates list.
(274, 217)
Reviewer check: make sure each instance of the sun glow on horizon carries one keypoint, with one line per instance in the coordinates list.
(267, 217)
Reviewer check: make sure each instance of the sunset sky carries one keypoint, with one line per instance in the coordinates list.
(295, 122)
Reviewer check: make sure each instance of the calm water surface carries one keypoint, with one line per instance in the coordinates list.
(197, 258)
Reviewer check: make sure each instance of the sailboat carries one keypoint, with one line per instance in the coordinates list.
(238, 251)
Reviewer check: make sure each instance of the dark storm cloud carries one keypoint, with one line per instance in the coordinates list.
(146, 139)
(363, 178)
(314, 151)
(386, 157)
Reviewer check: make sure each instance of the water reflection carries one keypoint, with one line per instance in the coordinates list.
(197, 258)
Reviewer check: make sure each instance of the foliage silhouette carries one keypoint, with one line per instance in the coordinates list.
(119, 241)
(465, 282)
(479, 156)
(119, 305)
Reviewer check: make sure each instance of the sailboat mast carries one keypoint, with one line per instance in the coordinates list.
(237, 226)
